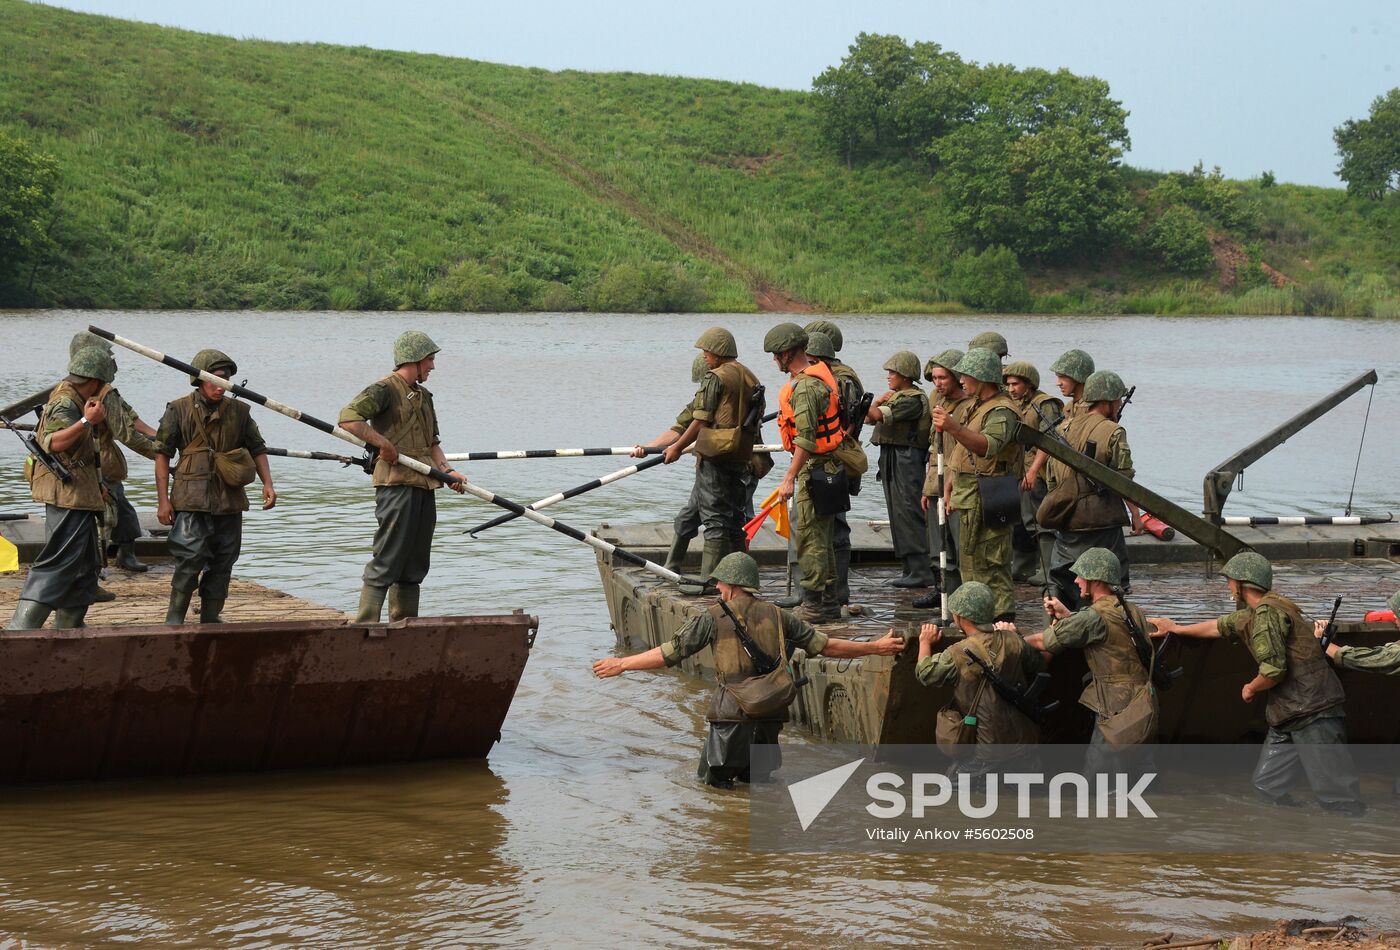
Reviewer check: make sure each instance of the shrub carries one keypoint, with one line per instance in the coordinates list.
(646, 288)
(469, 287)
(992, 280)
(1179, 240)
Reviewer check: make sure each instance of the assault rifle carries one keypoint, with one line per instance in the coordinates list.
(755, 418)
(1127, 398)
(856, 423)
(1330, 631)
(35, 403)
(1058, 436)
(1162, 678)
(763, 664)
(1026, 699)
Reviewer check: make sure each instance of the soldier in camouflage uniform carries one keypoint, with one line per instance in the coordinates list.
(1071, 370)
(990, 340)
(1005, 737)
(947, 393)
(1303, 697)
(64, 576)
(822, 339)
(1099, 515)
(396, 417)
(902, 423)
(1041, 412)
(1383, 659)
(723, 446)
(219, 447)
(726, 756)
(121, 524)
(987, 450)
(809, 420)
(1102, 631)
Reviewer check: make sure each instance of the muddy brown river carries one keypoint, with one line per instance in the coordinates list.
(586, 827)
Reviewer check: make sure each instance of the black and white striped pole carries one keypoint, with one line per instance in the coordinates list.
(291, 412)
(1252, 521)
(516, 454)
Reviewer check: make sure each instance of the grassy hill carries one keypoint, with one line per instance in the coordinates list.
(200, 171)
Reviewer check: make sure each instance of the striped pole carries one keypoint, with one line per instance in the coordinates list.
(1258, 520)
(290, 412)
(565, 453)
(943, 539)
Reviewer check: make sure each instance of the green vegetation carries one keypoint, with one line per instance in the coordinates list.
(26, 197)
(201, 171)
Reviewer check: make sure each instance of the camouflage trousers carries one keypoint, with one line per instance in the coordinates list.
(815, 536)
(986, 556)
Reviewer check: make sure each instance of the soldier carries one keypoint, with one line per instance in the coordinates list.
(724, 435)
(687, 521)
(123, 425)
(220, 448)
(947, 393)
(809, 419)
(726, 756)
(1003, 732)
(902, 421)
(988, 451)
(396, 417)
(1303, 697)
(1383, 659)
(64, 576)
(1071, 371)
(1111, 649)
(1098, 515)
(850, 391)
(1023, 385)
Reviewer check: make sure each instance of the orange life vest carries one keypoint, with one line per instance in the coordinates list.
(829, 429)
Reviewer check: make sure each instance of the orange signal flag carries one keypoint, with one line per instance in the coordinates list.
(774, 507)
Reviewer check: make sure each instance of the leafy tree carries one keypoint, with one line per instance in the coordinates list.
(1179, 240)
(1071, 197)
(936, 97)
(1370, 149)
(27, 180)
(855, 99)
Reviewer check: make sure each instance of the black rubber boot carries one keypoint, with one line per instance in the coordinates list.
(916, 572)
(371, 604)
(179, 606)
(676, 556)
(126, 559)
(930, 601)
(789, 602)
(403, 601)
(105, 596)
(209, 610)
(69, 618)
(713, 554)
(29, 615)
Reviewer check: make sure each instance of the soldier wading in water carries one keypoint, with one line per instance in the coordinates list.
(733, 727)
(396, 417)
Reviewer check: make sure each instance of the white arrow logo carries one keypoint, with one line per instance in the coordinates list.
(811, 795)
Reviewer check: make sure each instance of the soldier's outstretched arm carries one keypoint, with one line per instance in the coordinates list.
(888, 645)
(1161, 626)
(652, 659)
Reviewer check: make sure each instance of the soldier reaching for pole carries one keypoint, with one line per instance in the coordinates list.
(220, 449)
(733, 732)
(396, 417)
(1304, 699)
(724, 435)
(64, 576)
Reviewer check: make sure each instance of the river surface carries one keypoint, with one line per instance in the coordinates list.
(586, 827)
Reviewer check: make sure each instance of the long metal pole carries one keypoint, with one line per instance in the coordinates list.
(290, 412)
(942, 539)
(564, 453)
(571, 492)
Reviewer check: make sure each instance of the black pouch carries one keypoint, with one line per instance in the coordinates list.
(1001, 500)
(831, 494)
(852, 487)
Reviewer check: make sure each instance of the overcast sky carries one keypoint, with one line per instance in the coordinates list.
(1244, 84)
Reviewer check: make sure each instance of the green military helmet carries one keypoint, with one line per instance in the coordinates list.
(1247, 567)
(211, 361)
(947, 360)
(784, 337)
(832, 331)
(989, 341)
(719, 341)
(981, 364)
(1104, 386)
(1099, 564)
(84, 339)
(904, 363)
(1076, 364)
(1024, 370)
(738, 569)
(1394, 603)
(698, 368)
(91, 362)
(413, 346)
(819, 344)
(973, 601)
